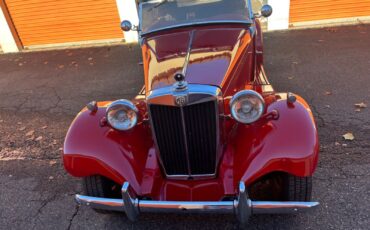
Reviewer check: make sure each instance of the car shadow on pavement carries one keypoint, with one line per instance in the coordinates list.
(202, 221)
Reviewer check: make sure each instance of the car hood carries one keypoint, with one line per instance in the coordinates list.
(212, 55)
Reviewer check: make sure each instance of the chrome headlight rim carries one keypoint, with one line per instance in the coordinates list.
(244, 94)
(122, 104)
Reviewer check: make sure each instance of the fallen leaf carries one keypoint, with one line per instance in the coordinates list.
(16, 152)
(74, 63)
(90, 59)
(38, 138)
(357, 110)
(361, 105)
(22, 128)
(60, 66)
(30, 133)
(44, 127)
(52, 162)
(349, 137)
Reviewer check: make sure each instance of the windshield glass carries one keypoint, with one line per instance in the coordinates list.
(162, 14)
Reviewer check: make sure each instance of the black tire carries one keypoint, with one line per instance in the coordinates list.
(99, 186)
(297, 188)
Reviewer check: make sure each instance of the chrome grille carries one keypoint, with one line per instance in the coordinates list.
(186, 137)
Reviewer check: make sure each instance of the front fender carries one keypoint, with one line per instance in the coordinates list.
(91, 148)
(289, 144)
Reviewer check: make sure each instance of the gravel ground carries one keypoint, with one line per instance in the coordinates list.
(41, 92)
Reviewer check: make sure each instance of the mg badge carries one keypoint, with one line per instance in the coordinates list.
(181, 100)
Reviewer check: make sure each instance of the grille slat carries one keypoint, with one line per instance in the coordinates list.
(201, 137)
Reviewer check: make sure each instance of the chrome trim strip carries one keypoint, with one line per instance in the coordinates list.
(250, 9)
(185, 140)
(242, 22)
(186, 177)
(165, 95)
(243, 207)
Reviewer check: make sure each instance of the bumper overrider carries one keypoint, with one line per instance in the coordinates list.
(242, 207)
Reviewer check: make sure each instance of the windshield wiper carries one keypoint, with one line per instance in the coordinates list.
(160, 3)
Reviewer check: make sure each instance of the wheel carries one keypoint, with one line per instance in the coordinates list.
(297, 188)
(99, 186)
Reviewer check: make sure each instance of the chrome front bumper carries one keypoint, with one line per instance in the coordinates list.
(242, 207)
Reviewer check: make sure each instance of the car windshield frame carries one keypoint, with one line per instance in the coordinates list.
(248, 21)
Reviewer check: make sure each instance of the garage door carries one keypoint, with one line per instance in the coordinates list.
(40, 22)
(311, 10)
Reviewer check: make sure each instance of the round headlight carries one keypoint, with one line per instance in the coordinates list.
(122, 115)
(247, 106)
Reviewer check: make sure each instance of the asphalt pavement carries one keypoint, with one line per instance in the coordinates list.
(40, 93)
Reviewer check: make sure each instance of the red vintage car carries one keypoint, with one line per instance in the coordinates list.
(208, 133)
